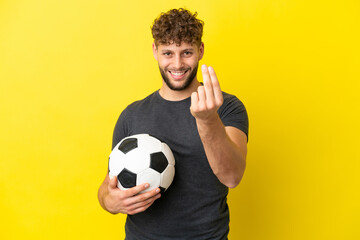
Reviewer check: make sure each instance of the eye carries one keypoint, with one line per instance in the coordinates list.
(187, 53)
(167, 53)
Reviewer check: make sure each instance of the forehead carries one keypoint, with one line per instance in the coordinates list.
(174, 47)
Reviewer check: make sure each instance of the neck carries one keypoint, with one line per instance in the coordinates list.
(173, 95)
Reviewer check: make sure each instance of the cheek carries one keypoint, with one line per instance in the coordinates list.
(193, 62)
(163, 63)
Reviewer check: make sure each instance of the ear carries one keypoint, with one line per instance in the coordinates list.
(155, 51)
(201, 51)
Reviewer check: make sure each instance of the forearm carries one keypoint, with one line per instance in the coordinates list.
(225, 148)
(103, 190)
(226, 158)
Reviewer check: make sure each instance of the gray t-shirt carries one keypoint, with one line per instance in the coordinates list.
(195, 205)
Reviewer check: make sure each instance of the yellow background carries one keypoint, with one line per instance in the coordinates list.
(69, 67)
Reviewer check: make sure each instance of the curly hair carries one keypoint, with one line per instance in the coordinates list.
(177, 26)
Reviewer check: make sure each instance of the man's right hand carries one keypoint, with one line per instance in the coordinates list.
(129, 201)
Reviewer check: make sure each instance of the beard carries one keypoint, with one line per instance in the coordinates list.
(187, 82)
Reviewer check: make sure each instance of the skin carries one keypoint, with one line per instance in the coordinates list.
(172, 58)
(225, 147)
(114, 200)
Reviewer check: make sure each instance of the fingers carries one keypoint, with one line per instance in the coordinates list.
(212, 87)
(133, 193)
(215, 87)
(208, 98)
(140, 208)
(208, 87)
(136, 190)
(141, 202)
(129, 201)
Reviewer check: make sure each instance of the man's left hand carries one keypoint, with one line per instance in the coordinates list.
(208, 98)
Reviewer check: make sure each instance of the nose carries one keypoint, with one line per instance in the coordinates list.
(178, 62)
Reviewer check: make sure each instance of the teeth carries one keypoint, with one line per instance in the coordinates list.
(177, 73)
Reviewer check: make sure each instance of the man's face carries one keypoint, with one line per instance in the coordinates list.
(178, 64)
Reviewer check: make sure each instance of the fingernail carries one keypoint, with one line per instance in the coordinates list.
(157, 190)
(203, 67)
(146, 185)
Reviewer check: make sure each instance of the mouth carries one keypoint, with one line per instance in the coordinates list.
(178, 74)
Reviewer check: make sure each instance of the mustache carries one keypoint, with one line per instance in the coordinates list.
(183, 69)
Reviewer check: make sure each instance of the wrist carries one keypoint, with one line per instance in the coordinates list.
(108, 205)
(210, 128)
(209, 120)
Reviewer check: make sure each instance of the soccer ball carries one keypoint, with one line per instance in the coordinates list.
(142, 159)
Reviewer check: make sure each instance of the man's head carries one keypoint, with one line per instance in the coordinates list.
(177, 26)
(177, 47)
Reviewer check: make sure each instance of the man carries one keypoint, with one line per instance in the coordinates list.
(206, 130)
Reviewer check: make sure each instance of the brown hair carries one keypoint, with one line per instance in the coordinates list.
(177, 26)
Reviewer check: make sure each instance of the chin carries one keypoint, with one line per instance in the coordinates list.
(177, 85)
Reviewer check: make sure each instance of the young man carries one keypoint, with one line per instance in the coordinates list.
(206, 130)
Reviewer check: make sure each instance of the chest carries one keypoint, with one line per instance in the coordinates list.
(174, 126)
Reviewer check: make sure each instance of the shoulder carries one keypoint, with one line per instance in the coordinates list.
(139, 104)
(233, 113)
(228, 96)
(231, 101)
(135, 108)
(131, 113)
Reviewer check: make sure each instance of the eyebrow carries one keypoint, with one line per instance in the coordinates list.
(185, 50)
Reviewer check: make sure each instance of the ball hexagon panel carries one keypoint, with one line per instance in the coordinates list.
(115, 166)
(167, 176)
(137, 161)
(168, 153)
(148, 144)
(149, 176)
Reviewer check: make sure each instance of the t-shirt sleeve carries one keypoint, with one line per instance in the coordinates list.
(120, 130)
(233, 113)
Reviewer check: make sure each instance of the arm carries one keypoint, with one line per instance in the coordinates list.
(129, 201)
(225, 147)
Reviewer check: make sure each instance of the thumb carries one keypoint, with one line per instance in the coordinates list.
(113, 182)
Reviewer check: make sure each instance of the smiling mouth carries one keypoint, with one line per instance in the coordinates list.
(178, 74)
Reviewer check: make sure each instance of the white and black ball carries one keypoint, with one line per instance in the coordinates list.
(142, 159)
